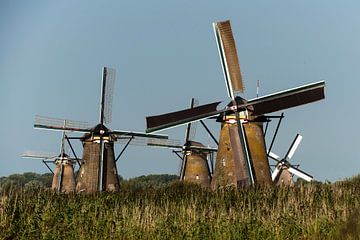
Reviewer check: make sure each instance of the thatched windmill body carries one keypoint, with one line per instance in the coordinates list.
(241, 157)
(284, 170)
(63, 174)
(196, 158)
(98, 171)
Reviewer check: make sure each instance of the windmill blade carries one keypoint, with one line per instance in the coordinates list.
(62, 145)
(39, 155)
(59, 124)
(276, 172)
(287, 99)
(228, 56)
(74, 160)
(274, 156)
(183, 166)
(293, 147)
(180, 165)
(123, 133)
(191, 127)
(173, 119)
(165, 143)
(188, 126)
(106, 99)
(60, 179)
(203, 149)
(193, 124)
(173, 143)
(245, 149)
(145, 141)
(299, 173)
(131, 140)
(101, 169)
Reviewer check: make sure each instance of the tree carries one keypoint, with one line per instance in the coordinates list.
(26, 179)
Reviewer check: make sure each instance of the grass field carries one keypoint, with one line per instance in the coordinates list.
(183, 211)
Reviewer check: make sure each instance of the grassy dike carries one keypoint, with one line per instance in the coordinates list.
(184, 211)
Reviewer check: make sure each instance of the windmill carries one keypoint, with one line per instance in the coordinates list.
(241, 157)
(63, 175)
(283, 171)
(195, 166)
(98, 171)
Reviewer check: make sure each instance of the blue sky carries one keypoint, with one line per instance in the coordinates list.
(164, 52)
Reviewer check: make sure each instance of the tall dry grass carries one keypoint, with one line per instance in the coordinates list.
(182, 211)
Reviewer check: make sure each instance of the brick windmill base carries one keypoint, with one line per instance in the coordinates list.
(88, 180)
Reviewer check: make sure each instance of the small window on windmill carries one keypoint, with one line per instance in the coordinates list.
(223, 162)
(197, 177)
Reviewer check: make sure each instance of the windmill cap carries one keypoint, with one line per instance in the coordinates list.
(99, 129)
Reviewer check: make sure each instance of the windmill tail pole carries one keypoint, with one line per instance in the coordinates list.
(276, 132)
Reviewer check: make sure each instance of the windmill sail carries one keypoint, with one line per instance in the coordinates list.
(38, 155)
(191, 126)
(107, 90)
(287, 99)
(63, 175)
(293, 147)
(168, 120)
(165, 143)
(283, 164)
(258, 106)
(300, 174)
(229, 58)
(245, 148)
(123, 133)
(60, 124)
